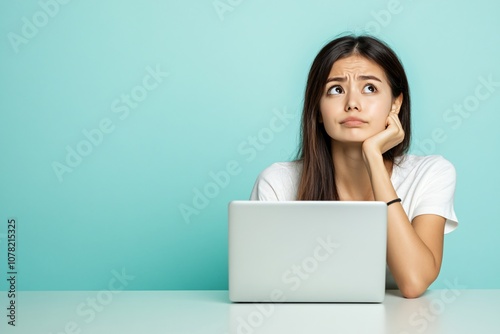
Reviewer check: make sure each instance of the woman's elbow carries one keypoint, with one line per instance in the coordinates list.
(411, 291)
(416, 283)
(413, 288)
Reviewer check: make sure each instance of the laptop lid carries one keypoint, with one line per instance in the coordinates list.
(307, 251)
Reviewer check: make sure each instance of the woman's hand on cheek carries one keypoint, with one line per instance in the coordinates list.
(386, 139)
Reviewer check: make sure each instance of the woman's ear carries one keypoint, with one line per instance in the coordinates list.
(396, 104)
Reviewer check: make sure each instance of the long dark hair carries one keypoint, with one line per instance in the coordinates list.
(317, 181)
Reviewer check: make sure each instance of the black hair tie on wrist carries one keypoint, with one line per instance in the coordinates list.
(394, 201)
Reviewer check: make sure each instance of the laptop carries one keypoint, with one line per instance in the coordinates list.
(307, 251)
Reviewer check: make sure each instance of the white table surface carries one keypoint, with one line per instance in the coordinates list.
(207, 312)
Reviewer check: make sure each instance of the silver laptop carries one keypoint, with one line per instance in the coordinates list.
(307, 251)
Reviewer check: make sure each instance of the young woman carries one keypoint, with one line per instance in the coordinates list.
(355, 136)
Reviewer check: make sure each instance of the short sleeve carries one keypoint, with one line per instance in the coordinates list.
(277, 182)
(440, 193)
(429, 188)
(263, 190)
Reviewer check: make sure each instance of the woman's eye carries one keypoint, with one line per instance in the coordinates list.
(335, 90)
(369, 89)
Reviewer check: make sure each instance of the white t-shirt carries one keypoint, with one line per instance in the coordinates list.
(425, 184)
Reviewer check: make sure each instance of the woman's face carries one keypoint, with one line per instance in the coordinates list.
(356, 100)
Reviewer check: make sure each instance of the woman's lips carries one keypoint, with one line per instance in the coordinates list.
(352, 122)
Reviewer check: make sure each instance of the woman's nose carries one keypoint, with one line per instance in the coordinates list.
(352, 102)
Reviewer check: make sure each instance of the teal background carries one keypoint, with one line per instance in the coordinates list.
(119, 209)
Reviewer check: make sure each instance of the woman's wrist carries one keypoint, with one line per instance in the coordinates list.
(371, 156)
(379, 176)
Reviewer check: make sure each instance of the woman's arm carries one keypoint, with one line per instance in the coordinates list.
(414, 251)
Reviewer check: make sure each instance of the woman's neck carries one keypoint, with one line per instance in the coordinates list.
(351, 176)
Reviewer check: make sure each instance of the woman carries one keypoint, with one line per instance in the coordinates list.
(354, 138)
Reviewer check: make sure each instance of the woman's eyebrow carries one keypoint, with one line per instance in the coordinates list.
(340, 79)
(359, 78)
(369, 77)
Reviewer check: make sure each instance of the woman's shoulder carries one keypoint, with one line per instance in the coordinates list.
(419, 161)
(429, 164)
(281, 169)
(279, 181)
